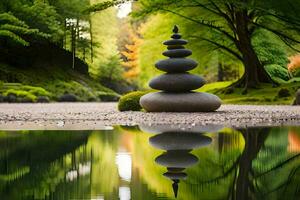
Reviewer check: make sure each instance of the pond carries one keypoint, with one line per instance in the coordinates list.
(151, 162)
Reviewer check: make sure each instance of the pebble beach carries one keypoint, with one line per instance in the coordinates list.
(91, 116)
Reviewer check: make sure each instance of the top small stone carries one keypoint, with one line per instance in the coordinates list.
(176, 35)
(175, 29)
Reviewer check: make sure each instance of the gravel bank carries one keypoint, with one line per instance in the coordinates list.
(99, 115)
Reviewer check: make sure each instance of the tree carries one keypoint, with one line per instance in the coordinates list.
(294, 65)
(112, 70)
(13, 30)
(230, 26)
(130, 55)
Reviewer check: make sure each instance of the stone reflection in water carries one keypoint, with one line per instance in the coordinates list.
(177, 144)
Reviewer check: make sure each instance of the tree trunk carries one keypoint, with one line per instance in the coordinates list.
(91, 40)
(73, 45)
(220, 72)
(254, 70)
(65, 35)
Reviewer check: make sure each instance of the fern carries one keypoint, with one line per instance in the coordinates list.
(13, 37)
(13, 30)
(7, 18)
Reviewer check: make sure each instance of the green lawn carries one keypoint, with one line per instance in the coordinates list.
(266, 94)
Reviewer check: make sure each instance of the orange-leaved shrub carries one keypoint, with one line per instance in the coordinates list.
(294, 65)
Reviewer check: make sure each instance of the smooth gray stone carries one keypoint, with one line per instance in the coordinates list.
(176, 159)
(177, 53)
(176, 65)
(179, 141)
(297, 98)
(180, 102)
(175, 42)
(180, 82)
(170, 47)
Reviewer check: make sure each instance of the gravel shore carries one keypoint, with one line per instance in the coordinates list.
(78, 116)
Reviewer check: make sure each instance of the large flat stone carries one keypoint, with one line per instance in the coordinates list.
(171, 47)
(175, 42)
(176, 65)
(180, 82)
(177, 53)
(180, 102)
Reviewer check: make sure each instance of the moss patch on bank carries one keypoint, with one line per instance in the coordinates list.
(265, 94)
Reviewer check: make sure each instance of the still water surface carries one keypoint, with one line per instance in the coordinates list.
(151, 163)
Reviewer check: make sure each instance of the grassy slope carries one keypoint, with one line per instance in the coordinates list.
(52, 82)
(267, 94)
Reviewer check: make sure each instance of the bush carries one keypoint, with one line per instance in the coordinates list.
(283, 92)
(294, 65)
(68, 98)
(37, 91)
(21, 94)
(131, 101)
(43, 99)
(277, 71)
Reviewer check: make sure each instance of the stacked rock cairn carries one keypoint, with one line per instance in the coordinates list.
(177, 84)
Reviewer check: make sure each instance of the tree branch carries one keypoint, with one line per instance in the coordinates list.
(203, 23)
(223, 47)
(280, 34)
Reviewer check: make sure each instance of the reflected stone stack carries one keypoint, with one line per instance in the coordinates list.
(177, 83)
(177, 156)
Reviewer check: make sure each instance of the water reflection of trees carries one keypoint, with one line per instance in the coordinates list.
(260, 163)
(264, 169)
(251, 163)
(34, 163)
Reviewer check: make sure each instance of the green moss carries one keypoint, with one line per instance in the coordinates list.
(38, 91)
(131, 101)
(266, 94)
(21, 94)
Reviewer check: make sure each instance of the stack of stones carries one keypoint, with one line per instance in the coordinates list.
(177, 84)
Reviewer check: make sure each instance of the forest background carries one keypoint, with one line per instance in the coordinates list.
(91, 50)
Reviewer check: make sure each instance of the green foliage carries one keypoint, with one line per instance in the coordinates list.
(21, 94)
(104, 5)
(272, 54)
(13, 29)
(296, 73)
(112, 70)
(278, 72)
(41, 16)
(131, 101)
(104, 29)
(23, 91)
(212, 25)
(37, 91)
(55, 84)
